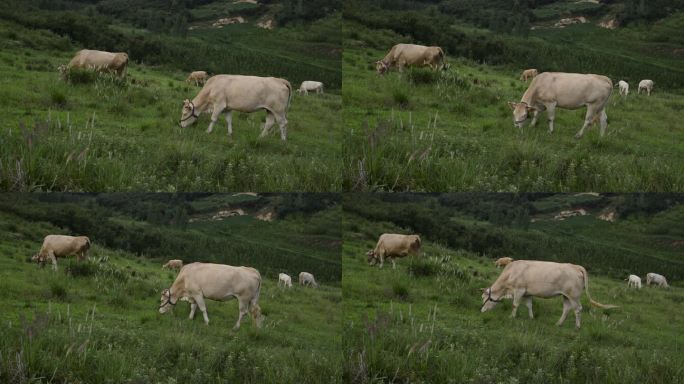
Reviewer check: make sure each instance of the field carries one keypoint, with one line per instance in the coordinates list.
(421, 323)
(100, 134)
(98, 321)
(453, 131)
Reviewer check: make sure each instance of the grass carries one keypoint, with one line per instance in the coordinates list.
(453, 131)
(436, 333)
(97, 321)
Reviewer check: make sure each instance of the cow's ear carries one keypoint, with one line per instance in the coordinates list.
(531, 109)
(512, 104)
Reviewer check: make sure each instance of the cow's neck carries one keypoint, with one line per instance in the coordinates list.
(527, 97)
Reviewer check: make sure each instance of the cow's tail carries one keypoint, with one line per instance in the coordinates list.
(586, 289)
(254, 308)
(289, 93)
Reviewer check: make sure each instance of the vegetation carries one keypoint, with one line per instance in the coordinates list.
(421, 322)
(97, 321)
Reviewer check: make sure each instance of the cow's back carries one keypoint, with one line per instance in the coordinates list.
(542, 278)
(248, 93)
(216, 281)
(570, 89)
(411, 53)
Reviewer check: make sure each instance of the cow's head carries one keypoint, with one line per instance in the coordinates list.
(189, 114)
(488, 302)
(165, 303)
(38, 258)
(521, 113)
(371, 257)
(382, 67)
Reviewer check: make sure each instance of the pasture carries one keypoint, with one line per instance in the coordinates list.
(421, 323)
(98, 321)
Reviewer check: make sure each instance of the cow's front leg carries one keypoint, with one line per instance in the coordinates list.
(394, 265)
(203, 307)
(516, 302)
(51, 256)
(382, 260)
(214, 116)
(229, 121)
(534, 118)
(193, 307)
(551, 114)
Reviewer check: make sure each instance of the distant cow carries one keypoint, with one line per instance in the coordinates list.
(285, 280)
(634, 281)
(656, 279)
(551, 90)
(624, 88)
(173, 264)
(198, 77)
(391, 246)
(55, 246)
(404, 55)
(502, 262)
(528, 74)
(313, 86)
(100, 61)
(646, 85)
(523, 279)
(307, 279)
(219, 282)
(243, 94)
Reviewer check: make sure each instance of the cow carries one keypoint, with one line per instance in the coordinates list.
(656, 279)
(646, 85)
(528, 74)
(524, 279)
(551, 90)
(313, 86)
(55, 246)
(285, 280)
(100, 61)
(634, 281)
(244, 94)
(307, 279)
(199, 281)
(173, 264)
(391, 245)
(502, 262)
(624, 88)
(403, 55)
(198, 77)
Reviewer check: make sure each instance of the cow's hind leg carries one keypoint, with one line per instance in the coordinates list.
(588, 120)
(604, 121)
(243, 308)
(566, 309)
(270, 120)
(577, 306)
(282, 123)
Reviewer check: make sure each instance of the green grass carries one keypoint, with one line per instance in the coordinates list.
(434, 331)
(454, 131)
(98, 322)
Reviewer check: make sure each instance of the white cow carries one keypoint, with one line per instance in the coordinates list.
(524, 279)
(656, 279)
(199, 281)
(285, 280)
(313, 86)
(391, 246)
(198, 77)
(100, 61)
(173, 264)
(244, 94)
(551, 90)
(502, 262)
(646, 85)
(528, 74)
(624, 88)
(305, 278)
(55, 246)
(404, 55)
(634, 281)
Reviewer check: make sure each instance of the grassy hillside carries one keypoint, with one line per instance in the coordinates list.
(98, 321)
(422, 323)
(99, 134)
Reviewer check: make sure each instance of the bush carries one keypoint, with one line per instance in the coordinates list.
(58, 98)
(423, 267)
(400, 291)
(80, 76)
(57, 291)
(420, 76)
(81, 269)
(400, 97)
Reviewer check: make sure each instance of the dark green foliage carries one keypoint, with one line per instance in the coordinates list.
(58, 291)
(423, 268)
(400, 291)
(81, 269)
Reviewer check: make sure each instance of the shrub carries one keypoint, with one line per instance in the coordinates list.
(423, 267)
(81, 269)
(400, 290)
(58, 98)
(420, 76)
(80, 76)
(400, 97)
(57, 291)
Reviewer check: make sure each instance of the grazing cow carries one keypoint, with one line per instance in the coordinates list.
(305, 278)
(403, 55)
(523, 279)
(285, 280)
(656, 279)
(646, 85)
(173, 264)
(551, 90)
(55, 246)
(391, 245)
(528, 74)
(634, 281)
(100, 61)
(244, 94)
(502, 262)
(313, 86)
(624, 88)
(219, 282)
(198, 77)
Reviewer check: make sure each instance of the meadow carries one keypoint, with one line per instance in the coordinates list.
(98, 321)
(96, 133)
(453, 130)
(421, 322)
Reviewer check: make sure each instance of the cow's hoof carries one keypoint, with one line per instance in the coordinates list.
(578, 136)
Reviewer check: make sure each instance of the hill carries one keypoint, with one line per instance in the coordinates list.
(95, 133)
(421, 322)
(453, 130)
(98, 321)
